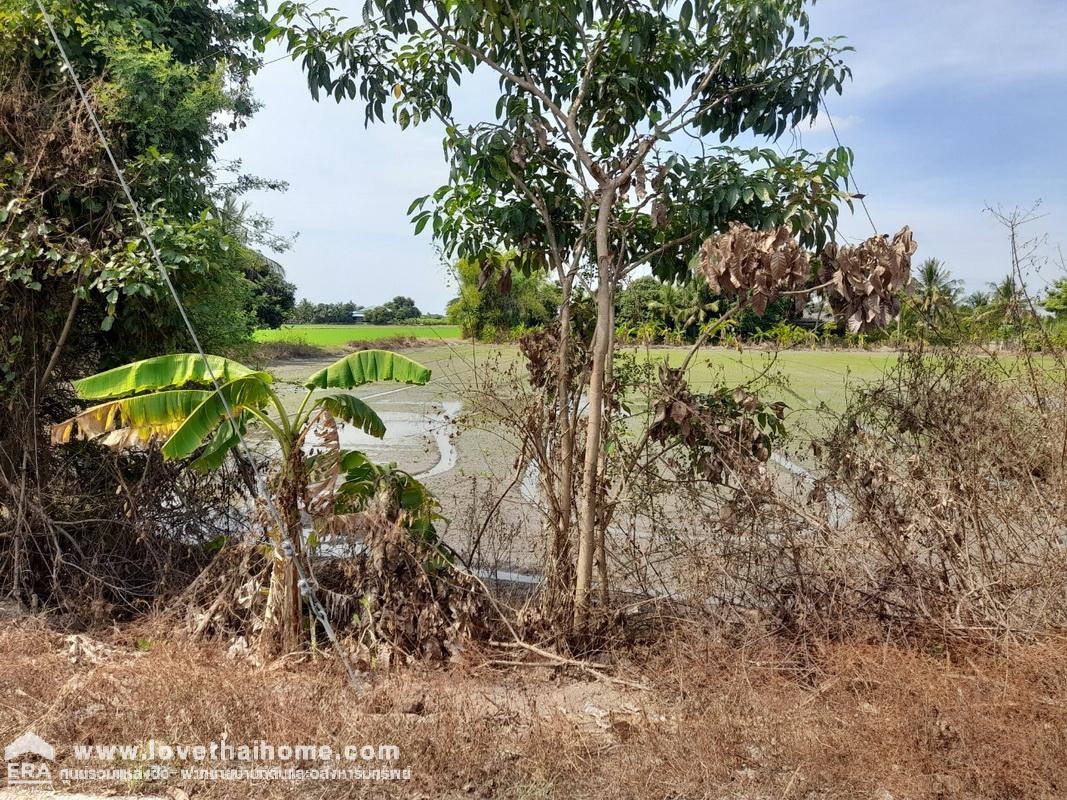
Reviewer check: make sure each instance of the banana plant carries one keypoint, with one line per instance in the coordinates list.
(173, 399)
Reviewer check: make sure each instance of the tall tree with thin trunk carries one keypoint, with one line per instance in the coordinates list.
(608, 148)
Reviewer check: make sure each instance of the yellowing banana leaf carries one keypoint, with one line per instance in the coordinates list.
(250, 391)
(368, 366)
(143, 417)
(162, 372)
(355, 412)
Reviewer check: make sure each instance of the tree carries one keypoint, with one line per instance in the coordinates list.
(165, 81)
(79, 288)
(273, 297)
(308, 313)
(399, 309)
(1006, 298)
(168, 398)
(934, 291)
(578, 172)
(646, 301)
(1055, 300)
(492, 308)
(270, 296)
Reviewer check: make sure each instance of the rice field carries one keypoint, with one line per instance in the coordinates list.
(337, 335)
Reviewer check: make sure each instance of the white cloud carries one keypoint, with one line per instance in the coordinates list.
(822, 125)
(937, 41)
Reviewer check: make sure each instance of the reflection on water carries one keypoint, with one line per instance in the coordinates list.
(407, 434)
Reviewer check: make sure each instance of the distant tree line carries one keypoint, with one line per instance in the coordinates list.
(398, 310)
(496, 302)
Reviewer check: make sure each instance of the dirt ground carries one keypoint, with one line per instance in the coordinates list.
(705, 715)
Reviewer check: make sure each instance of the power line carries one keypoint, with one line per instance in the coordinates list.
(852, 172)
(262, 491)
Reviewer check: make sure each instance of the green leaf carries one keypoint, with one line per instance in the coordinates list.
(162, 372)
(355, 412)
(368, 366)
(227, 437)
(244, 393)
(145, 416)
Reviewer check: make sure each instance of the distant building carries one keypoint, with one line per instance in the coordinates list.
(358, 317)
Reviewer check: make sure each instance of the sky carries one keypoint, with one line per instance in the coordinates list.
(954, 106)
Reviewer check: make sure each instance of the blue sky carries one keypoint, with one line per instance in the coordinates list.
(955, 105)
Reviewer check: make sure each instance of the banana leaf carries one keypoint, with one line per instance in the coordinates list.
(144, 416)
(163, 372)
(368, 366)
(225, 439)
(355, 412)
(241, 394)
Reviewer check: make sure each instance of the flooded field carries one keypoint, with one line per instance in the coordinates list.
(429, 435)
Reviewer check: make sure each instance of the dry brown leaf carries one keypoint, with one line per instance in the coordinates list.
(763, 263)
(868, 279)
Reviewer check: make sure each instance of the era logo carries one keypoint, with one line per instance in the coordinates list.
(21, 771)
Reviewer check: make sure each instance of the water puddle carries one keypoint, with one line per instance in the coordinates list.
(409, 436)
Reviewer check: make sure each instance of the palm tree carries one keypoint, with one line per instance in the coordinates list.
(976, 300)
(934, 290)
(1006, 293)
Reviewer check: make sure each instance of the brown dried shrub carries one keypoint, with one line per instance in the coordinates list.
(953, 474)
(401, 598)
(939, 504)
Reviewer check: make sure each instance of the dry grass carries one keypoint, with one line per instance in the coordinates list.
(267, 352)
(717, 721)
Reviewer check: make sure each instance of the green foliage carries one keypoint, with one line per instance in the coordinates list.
(322, 481)
(164, 78)
(934, 294)
(355, 412)
(785, 336)
(368, 366)
(248, 394)
(308, 313)
(1055, 300)
(494, 301)
(163, 396)
(162, 372)
(399, 309)
(647, 300)
(593, 91)
(648, 309)
(272, 296)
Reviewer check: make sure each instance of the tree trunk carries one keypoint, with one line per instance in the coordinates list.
(595, 403)
(602, 517)
(560, 568)
(283, 617)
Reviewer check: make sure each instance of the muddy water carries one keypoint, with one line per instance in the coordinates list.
(465, 470)
(412, 438)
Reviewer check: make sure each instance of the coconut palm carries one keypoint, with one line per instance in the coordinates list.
(1005, 294)
(934, 290)
(173, 399)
